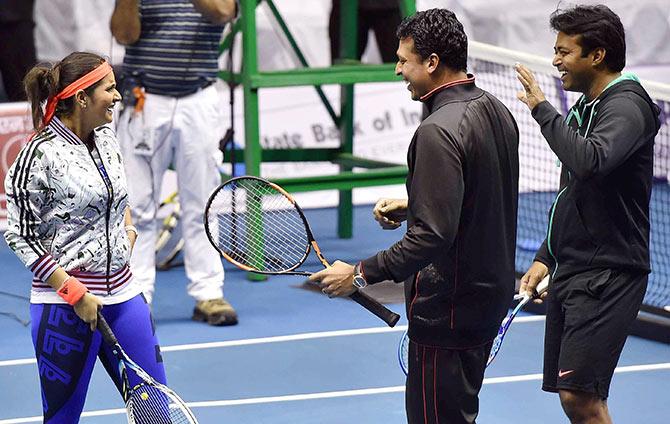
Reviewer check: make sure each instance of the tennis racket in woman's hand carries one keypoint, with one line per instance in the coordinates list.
(259, 227)
(149, 402)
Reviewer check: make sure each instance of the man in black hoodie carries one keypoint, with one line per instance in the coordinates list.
(597, 245)
(461, 210)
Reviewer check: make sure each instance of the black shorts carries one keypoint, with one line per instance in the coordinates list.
(589, 316)
(443, 384)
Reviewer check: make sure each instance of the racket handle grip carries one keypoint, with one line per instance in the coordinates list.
(542, 286)
(106, 331)
(385, 314)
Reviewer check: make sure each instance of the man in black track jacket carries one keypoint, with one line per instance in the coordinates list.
(597, 245)
(457, 256)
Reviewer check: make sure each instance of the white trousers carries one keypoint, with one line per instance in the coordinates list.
(183, 132)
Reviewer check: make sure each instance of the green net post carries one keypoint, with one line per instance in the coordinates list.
(348, 51)
(252, 146)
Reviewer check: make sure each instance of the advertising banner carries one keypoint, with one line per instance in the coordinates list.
(15, 128)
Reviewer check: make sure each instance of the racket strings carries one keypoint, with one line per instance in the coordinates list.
(257, 226)
(502, 331)
(151, 405)
(288, 228)
(281, 236)
(403, 353)
(294, 228)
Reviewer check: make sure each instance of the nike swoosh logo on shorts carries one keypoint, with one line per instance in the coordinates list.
(562, 373)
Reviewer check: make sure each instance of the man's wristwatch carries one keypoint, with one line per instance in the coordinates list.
(359, 279)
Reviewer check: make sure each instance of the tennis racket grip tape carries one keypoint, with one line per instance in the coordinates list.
(386, 315)
(106, 331)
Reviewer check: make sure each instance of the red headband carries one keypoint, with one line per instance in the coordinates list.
(82, 83)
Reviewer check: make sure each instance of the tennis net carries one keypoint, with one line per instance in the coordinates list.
(539, 170)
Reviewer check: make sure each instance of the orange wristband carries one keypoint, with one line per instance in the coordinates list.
(72, 290)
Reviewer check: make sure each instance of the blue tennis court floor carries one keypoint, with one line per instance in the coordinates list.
(298, 357)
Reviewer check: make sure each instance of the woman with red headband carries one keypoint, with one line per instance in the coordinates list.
(69, 223)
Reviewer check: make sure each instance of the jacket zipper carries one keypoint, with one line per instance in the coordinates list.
(416, 294)
(551, 222)
(580, 121)
(110, 196)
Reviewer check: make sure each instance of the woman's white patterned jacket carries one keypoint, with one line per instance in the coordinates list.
(65, 206)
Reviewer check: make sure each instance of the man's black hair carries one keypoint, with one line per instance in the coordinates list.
(597, 26)
(437, 31)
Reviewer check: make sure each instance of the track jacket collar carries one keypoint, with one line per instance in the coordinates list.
(459, 89)
(625, 82)
(59, 128)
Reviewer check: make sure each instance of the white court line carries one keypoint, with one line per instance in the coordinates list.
(332, 395)
(275, 339)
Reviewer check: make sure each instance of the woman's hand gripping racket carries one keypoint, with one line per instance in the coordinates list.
(149, 402)
(259, 227)
(403, 346)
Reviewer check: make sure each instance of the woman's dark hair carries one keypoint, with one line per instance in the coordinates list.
(597, 26)
(44, 81)
(437, 31)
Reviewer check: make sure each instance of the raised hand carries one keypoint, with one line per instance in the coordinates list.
(532, 94)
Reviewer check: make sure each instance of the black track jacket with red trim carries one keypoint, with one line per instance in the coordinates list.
(457, 256)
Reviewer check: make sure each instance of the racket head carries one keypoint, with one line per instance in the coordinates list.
(257, 226)
(502, 331)
(169, 240)
(156, 403)
(169, 212)
(150, 401)
(166, 258)
(403, 353)
(507, 321)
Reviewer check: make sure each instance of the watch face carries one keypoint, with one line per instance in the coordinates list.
(359, 281)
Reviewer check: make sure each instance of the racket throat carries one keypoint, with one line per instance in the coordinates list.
(319, 254)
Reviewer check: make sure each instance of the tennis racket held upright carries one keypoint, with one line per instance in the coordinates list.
(259, 227)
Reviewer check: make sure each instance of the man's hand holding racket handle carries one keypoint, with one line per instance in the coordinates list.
(343, 280)
(335, 281)
(390, 213)
(532, 278)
